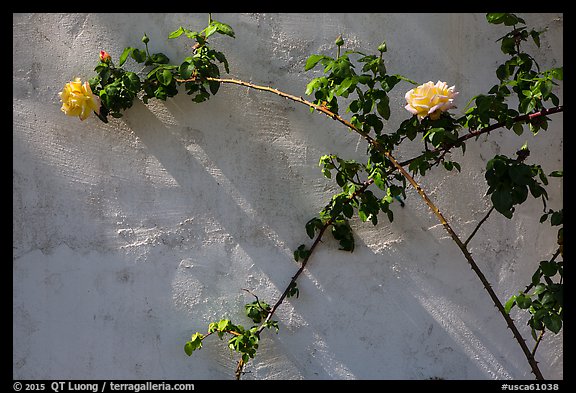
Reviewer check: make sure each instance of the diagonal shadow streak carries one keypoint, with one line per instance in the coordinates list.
(196, 175)
(190, 172)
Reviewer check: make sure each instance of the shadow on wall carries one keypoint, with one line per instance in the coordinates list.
(383, 315)
(437, 335)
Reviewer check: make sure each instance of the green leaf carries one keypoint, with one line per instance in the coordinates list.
(164, 76)
(214, 87)
(312, 61)
(539, 288)
(176, 33)
(194, 35)
(508, 45)
(186, 70)
(348, 211)
(211, 29)
(518, 128)
(160, 58)
(526, 105)
(131, 81)
(519, 194)
(495, 17)
(138, 55)
(502, 202)
(301, 253)
(548, 299)
(223, 28)
(194, 343)
(188, 348)
(124, 55)
(557, 73)
(553, 322)
(343, 233)
(520, 174)
(257, 311)
(557, 218)
(312, 225)
(223, 324)
(523, 301)
(341, 179)
(535, 37)
(293, 290)
(383, 107)
(509, 304)
(344, 86)
(549, 268)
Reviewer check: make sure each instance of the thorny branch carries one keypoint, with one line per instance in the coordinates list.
(399, 166)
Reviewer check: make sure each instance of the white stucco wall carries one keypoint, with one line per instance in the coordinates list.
(132, 235)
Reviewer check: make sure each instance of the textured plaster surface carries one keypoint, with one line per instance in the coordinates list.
(130, 236)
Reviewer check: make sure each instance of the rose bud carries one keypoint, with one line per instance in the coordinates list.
(104, 56)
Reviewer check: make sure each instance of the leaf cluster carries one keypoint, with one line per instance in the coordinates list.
(117, 88)
(509, 181)
(242, 340)
(257, 311)
(370, 87)
(520, 75)
(545, 302)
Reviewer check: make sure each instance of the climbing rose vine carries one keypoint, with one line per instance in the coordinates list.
(509, 180)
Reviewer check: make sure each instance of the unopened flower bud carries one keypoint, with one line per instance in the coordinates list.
(339, 41)
(382, 47)
(145, 39)
(104, 56)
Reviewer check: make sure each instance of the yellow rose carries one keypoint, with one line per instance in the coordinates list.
(78, 99)
(430, 99)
